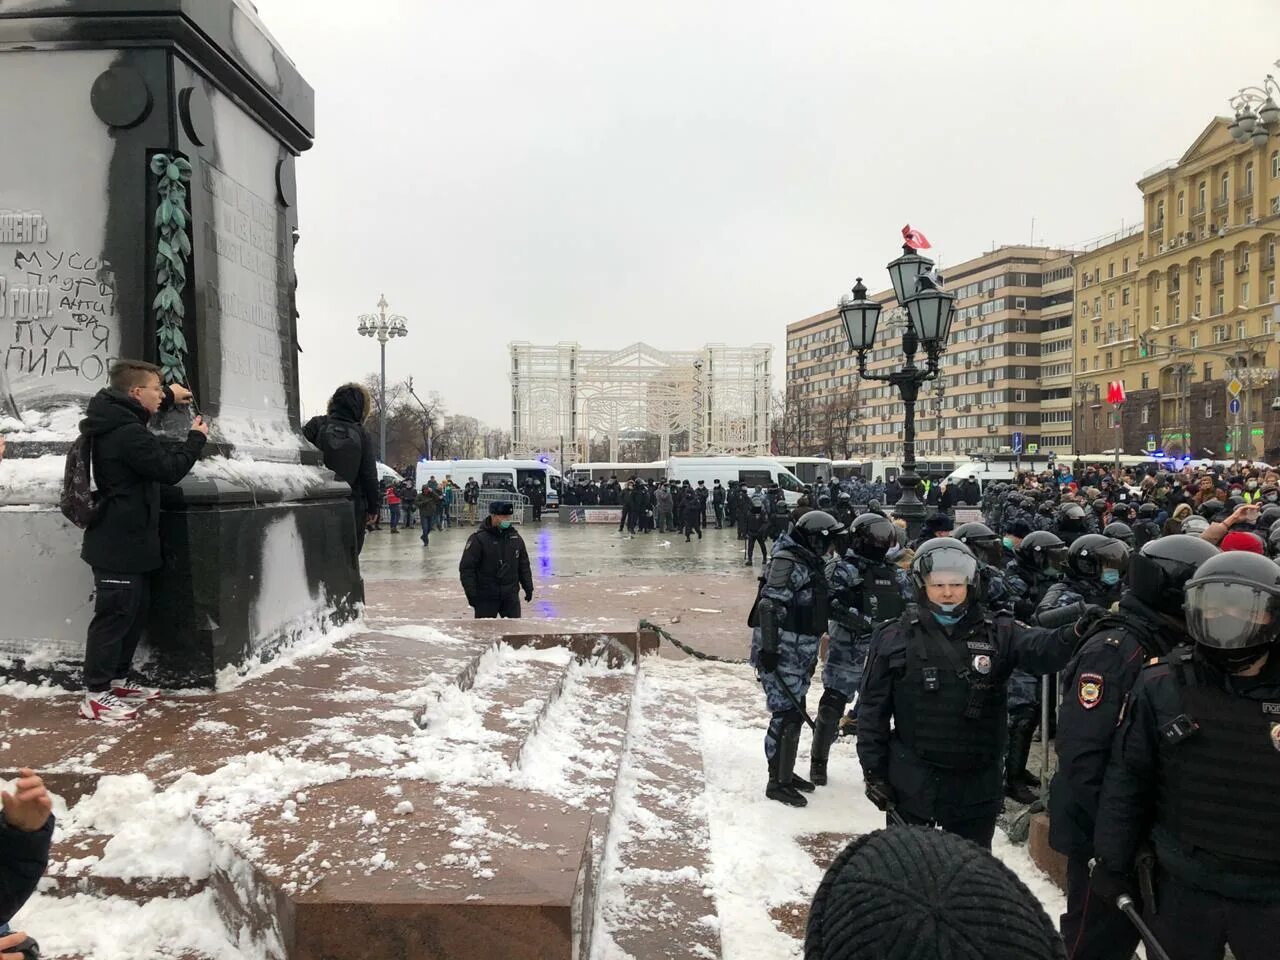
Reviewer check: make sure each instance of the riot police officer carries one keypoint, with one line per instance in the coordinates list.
(1146, 529)
(1095, 686)
(1037, 565)
(1095, 567)
(1195, 770)
(986, 546)
(931, 725)
(789, 617)
(1070, 522)
(1118, 530)
(865, 591)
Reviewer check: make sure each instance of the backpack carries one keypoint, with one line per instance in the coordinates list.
(342, 444)
(79, 503)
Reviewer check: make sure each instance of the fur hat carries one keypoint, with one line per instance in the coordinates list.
(352, 401)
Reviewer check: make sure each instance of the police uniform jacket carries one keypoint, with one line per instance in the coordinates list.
(1096, 685)
(1196, 762)
(944, 695)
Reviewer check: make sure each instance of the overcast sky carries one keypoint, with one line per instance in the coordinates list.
(692, 171)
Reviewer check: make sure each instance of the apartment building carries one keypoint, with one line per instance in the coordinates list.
(1179, 307)
(1001, 373)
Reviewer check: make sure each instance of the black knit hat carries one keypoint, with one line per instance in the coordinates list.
(911, 893)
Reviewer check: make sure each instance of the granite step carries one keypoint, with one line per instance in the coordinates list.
(655, 874)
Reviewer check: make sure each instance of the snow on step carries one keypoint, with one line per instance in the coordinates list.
(654, 878)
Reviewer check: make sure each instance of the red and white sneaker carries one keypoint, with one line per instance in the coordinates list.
(132, 693)
(107, 707)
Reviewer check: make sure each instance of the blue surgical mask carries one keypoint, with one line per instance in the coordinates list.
(504, 524)
(947, 619)
(1110, 577)
(1008, 543)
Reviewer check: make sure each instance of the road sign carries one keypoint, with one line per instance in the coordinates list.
(1234, 387)
(1017, 442)
(1234, 405)
(1151, 446)
(1033, 448)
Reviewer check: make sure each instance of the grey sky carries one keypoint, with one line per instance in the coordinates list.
(685, 171)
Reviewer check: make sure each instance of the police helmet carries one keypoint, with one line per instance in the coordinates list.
(1273, 542)
(1119, 531)
(874, 506)
(1233, 606)
(1089, 555)
(982, 540)
(1195, 525)
(944, 560)
(824, 501)
(1159, 572)
(845, 497)
(1235, 500)
(1148, 511)
(1043, 550)
(1071, 511)
(1210, 509)
(816, 529)
(1122, 512)
(1268, 515)
(872, 536)
(1045, 508)
(1099, 506)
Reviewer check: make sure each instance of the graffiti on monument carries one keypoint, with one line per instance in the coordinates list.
(59, 327)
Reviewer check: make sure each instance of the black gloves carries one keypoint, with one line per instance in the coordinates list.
(881, 794)
(768, 660)
(1110, 885)
(528, 596)
(1092, 614)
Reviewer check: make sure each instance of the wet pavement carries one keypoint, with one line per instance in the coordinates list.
(701, 592)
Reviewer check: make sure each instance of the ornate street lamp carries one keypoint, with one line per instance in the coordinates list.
(384, 328)
(929, 313)
(1257, 115)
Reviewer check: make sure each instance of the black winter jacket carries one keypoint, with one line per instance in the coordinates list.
(23, 857)
(494, 565)
(348, 403)
(129, 465)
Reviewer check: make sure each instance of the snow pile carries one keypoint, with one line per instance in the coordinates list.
(293, 481)
(319, 638)
(60, 425)
(115, 929)
(31, 480)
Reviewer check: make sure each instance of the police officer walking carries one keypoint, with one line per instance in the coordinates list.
(865, 591)
(787, 622)
(931, 724)
(1195, 771)
(1095, 686)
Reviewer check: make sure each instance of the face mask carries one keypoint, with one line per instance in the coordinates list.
(1008, 543)
(1271, 498)
(1110, 577)
(504, 524)
(945, 616)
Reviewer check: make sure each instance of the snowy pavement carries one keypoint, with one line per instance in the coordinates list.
(400, 760)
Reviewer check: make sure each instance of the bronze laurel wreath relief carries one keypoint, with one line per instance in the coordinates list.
(173, 251)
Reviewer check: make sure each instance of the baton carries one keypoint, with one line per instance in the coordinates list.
(898, 819)
(1125, 904)
(795, 701)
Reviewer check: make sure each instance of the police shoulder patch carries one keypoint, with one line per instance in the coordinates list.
(1090, 690)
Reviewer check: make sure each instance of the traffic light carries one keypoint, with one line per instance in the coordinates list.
(1144, 345)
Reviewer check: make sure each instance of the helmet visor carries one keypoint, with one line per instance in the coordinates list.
(988, 551)
(948, 567)
(1230, 616)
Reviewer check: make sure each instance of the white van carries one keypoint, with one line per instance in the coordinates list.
(492, 474)
(751, 471)
(984, 473)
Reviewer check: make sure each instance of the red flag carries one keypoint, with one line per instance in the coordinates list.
(1115, 392)
(914, 238)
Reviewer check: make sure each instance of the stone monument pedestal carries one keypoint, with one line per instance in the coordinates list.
(152, 214)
